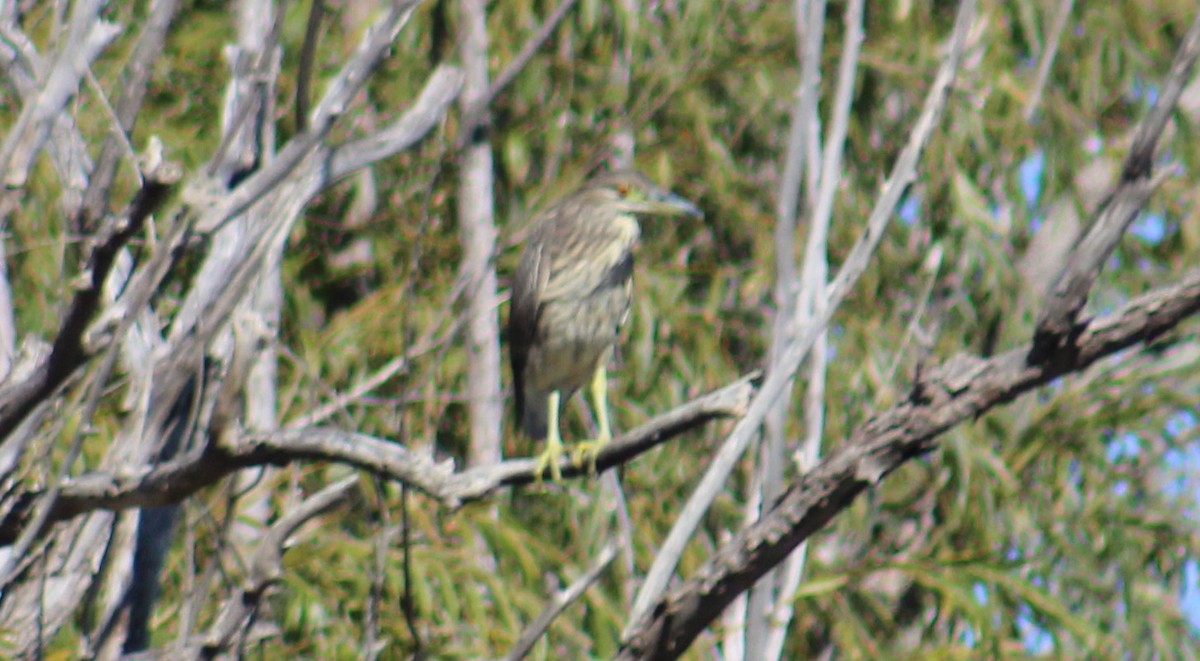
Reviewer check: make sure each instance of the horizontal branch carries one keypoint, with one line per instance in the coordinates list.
(962, 388)
(174, 480)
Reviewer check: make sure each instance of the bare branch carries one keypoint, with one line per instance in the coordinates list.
(960, 389)
(134, 81)
(8, 325)
(337, 98)
(527, 51)
(1069, 294)
(87, 37)
(430, 106)
(727, 402)
(560, 601)
(902, 174)
(778, 613)
(477, 231)
(266, 569)
(308, 52)
(792, 301)
(67, 149)
(1047, 57)
(18, 399)
(174, 480)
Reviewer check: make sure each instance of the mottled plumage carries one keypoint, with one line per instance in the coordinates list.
(571, 295)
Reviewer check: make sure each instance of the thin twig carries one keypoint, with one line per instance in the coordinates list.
(475, 114)
(383, 543)
(560, 601)
(308, 52)
(408, 602)
(1048, 55)
(135, 79)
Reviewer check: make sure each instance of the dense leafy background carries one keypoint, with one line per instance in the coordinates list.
(1060, 526)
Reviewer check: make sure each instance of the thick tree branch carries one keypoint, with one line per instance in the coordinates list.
(963, 387)
(476, 212)
(17, 400)
(1069, 293)
(782, 369)
(171, 481)
(341, 90)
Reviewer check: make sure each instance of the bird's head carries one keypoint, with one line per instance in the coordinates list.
(630, 191)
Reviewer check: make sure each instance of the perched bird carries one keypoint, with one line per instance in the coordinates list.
(570, 297)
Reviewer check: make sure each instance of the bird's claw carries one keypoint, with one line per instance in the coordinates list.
(585, 453)
(550, 458)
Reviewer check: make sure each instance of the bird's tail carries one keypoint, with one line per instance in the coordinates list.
(535, 414)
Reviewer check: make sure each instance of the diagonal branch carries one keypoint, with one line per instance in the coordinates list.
(87, 37)
(960, 389)
(17, 400)
(560, 601)
(1069, 293)
(134, 81)
(1049, 51)
(475, 113)
(266, 569)
(350, 79)
(903, 172)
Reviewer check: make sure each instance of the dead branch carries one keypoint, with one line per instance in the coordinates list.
(961, 388)
(174, 480)
(1068, 295)
(266, 569)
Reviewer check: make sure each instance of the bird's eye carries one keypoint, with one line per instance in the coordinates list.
(623, 190)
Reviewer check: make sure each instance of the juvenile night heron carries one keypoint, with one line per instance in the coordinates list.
(570, 297)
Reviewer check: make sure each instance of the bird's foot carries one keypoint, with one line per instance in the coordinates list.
(584, 453)
(550, 458)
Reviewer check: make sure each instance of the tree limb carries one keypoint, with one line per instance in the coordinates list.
(68, 352)
(171, 481)
(961, 388)
(1068, 295)
(266, 569)
(782, 370)
(134, 81)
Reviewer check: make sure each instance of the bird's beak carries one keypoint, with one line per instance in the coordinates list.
(665, 203)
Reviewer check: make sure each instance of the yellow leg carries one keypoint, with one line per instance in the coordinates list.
(587, 451)
(551, 456)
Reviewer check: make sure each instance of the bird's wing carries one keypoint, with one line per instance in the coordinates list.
(528, 283)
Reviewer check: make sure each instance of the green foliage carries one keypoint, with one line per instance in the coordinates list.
(1024, 527)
